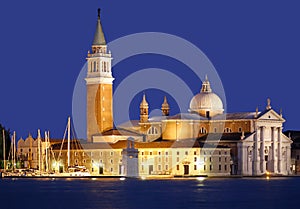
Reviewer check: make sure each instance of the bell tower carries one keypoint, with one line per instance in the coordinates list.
(144, 110)
(99, 82)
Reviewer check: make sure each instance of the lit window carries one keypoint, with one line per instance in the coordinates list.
(75, 153)
(227, 130)
(203, 130)
(152, 131)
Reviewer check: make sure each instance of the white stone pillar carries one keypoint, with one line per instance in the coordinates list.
(288, 160)
(274, 161)
(255, 163)
(262, 150)
(279, 150)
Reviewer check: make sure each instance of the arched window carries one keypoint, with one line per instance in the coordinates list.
(203, 130)
(152, 131)
(227, 130)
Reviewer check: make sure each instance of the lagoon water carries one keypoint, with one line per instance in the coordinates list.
(144, 194)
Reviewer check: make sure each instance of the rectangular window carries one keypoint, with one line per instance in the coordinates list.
(195, 152)
(167, 153)
(142, 153)
(204, 167)
(167, 167)
(225, 167)
(195, 167)
(100, 153)
(167, 159)
(209, 159)
(159, 153)
(177, 153)
(219, 159)
(177, 167)
(142, 167)
(111, 169)
(225, 159)
(195, 159)
(186, 152)
(220, 153)
(150, 153)
(210, 167)
(298, 157)
(177, 159)
(220, 167)
(159, 167)
(111, 161)
(111, 153)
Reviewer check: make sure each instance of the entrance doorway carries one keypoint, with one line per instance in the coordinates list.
(150, 169)
(186, 169)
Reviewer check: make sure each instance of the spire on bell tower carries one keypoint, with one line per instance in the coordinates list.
(165, 108)
(144, 110)
(99, 38)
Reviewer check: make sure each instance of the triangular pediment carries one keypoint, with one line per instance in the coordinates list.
(270, 115)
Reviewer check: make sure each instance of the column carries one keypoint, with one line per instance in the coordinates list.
(288, 160)
(240, 158)
(255, 163)
(262, 150)
(279, 150)
(274, 162)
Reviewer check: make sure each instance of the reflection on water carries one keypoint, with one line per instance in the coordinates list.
(130, 193)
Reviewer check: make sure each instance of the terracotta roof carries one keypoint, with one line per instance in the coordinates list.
(119, 132)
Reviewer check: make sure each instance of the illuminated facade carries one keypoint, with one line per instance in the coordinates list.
(204, 141)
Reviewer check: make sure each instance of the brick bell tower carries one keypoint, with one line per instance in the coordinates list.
(99, 82)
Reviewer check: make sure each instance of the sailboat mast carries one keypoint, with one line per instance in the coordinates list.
(39, 149)
(69, 138)
(3, 137)
(46, 150)
(14, 151)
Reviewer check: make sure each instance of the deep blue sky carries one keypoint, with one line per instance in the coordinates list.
(254, 46)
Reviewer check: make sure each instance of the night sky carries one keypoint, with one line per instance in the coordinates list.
(253, 45)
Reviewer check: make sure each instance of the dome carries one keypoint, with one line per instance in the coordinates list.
(206, 103)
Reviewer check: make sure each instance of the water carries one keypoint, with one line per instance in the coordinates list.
(143, 194)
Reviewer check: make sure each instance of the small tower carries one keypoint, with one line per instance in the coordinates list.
(130, 165)
(99, 82)
(144, 110)
(165, 108)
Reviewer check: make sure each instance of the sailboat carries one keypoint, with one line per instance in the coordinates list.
(76, 170)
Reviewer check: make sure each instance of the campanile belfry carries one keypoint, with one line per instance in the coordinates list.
(99, 82)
